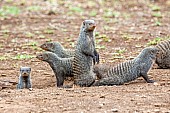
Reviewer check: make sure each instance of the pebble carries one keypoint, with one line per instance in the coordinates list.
(114, 110)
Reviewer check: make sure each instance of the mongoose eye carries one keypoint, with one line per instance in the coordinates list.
(40, 57)
(28, 71)
(51, 45)
(154, 52)
(84, 23)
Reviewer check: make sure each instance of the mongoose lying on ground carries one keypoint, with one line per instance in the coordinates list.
(24, 78)
(58, 49)
(84, 54)
(163, 57)
(130, 70)
(62, 67)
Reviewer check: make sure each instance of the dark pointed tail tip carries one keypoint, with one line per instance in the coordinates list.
(94, 26)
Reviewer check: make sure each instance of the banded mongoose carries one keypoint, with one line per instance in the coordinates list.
(163, 57)
(62, 67)
(58, 49)
(25, 78)
(130, 70)
(84, 54)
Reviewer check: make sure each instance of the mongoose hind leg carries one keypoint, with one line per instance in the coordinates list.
(85, 81)
(28, 82)
(60, 78)
(20, 84)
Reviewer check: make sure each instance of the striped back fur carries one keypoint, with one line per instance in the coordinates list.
(163, 57)
(126, 71)
(164, 45)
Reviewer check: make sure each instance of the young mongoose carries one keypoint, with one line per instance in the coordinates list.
(130, 70)
(58, 49)
(62, 67)
(163, 57)
(84, 54)
(25, 78)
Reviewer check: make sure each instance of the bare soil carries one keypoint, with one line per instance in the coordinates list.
(124, 28)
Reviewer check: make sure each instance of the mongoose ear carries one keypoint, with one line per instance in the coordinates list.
(84, 23)
(29, 69)
(153, 51)
(51, 45)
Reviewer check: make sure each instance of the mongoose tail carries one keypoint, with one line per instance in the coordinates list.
(130, 70)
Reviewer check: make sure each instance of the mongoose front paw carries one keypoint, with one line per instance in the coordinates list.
(96, 57)
(150, 81)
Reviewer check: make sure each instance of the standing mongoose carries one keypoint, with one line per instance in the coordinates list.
(130, 70)
(84, 54)
(62, 67)
(24, 78)
(58, 49)
(163, 57)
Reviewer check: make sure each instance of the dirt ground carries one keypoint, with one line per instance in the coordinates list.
(124, 28)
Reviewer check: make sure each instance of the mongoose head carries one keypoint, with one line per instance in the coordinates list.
(46, 56)
(51, 46)
(25, 71)
(88, 25)
(149, 52)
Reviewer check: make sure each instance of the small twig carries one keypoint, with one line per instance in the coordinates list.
(53, 26)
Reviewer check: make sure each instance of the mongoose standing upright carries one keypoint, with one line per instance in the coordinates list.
(84, 54)
(62, 67)
(58, 49)
(130, 70)
(24, 78)
(163, 57)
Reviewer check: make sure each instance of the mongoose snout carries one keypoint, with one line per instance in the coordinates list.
(49, 46)
(40, 57)
(25, 71)
(92, 26)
